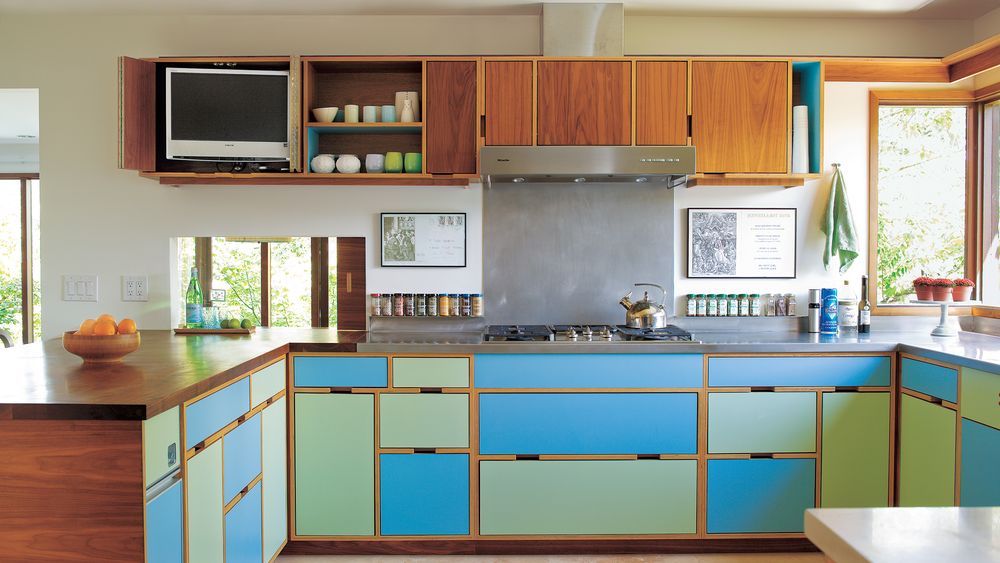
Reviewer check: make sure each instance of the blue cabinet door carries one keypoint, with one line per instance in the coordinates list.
(587, 371)
(241, 457)
(340, 371)
(980, 482)
(209, 414)
(932, 379)
(424, 494)
(799, 371)
(244, 539)
(759, 495)
(165, 526)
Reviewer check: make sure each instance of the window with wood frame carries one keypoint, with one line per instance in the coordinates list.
(990, 293)
(923, 192)
(20, 296)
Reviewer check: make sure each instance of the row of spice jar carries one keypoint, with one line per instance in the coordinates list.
(427, 305)
(740, 305)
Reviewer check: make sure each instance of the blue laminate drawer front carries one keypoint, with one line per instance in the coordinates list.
(424, 494)
(980, 465)
(588, 423)
(341, 371)
(587, 371)
(932, 379)
(210, 414)
(244, 536)
(241, 457)
(759, 495)
(799, 371)
(165, 526)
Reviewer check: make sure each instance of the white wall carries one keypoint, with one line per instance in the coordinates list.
(986, 26)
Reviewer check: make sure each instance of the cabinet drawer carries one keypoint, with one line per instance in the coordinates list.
(274, 466)
(980, 460)
(926, 454)
(209, 414)
(267, 383)
(799, 371)
(931, 379)
(588, 371)
(424, 420)
(165, 525)
(241, 457)
(424, 494)
(981, 396)
(340, 371)
(588, 423)
(587, 497)
(855, 460)
(759, 495)
(430, 372)
(243, 529)
(761, 422)
(161, 442)
(204, 516)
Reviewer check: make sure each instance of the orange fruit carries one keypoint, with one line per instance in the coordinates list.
(87, 328)
(105, 327)
(127, 326)
(106, 316)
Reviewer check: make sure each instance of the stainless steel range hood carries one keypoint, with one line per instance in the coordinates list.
(669, 165)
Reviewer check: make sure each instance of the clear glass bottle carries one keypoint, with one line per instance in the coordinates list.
(744, 305)
(432, 305)
(466, 308)
(454, 305)
(398, 305)
(713, 305)
(409, 305)
(444, 307)
(376, 304)
(692, 305)
(702, 305)
(734, 305)
(194, 302)
(780, 309)
(770, 306)
(421, 305)
(477, 304)
(790, 304)
(755, 305)
(386, 304)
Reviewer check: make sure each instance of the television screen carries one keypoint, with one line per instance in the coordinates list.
(227, 114)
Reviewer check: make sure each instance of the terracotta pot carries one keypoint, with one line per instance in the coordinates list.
(962, 293)
(924, 292)
(942, 293)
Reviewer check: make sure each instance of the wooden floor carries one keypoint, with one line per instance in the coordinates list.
(722, 558)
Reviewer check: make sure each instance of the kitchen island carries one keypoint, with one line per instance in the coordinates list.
(443, 444)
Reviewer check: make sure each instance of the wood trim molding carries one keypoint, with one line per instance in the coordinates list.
(973, 60)
(18, 175)
(27, 271)
(986, 93)
(885, 70)
(987, 312)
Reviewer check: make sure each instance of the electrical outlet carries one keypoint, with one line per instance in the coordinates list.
(80, 287)
(135, 288)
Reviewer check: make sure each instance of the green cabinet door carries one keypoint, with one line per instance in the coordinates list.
(334, 464)
(205, 505)
(274, 472)
(981, 397)
(588, 497)
(764, 422)
(855, 459)
(424, 420)
(926, 454)
(430, 372)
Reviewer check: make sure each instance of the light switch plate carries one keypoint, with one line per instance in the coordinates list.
(135, 288)
(80, 287)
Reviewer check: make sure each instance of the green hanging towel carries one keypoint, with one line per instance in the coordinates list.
(838, 225)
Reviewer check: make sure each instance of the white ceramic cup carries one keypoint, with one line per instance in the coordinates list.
(350, 113)
(374, 163)
(369, 114)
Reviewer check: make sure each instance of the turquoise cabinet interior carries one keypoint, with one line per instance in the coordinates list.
(799, 371)
(340, 371)
(926, 453)
(165, 525)
(855, 461)
(588, 423)
(424, 494)
(241, 456)
(759, 495)
(931, 379)
(243, 529)
(587, 371)
(204, 517)
(161, 445)
(587, 497)
(274, 460)
(980, 482)
(764, 422)
(210, 414)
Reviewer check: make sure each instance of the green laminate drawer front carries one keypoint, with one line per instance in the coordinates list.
(587, 497)
(424, 420)
(334, 464)
(161, 442)
(204, 519)
(763, 422)
(855, 461)
(430, 372)
(267, 383)
(981, 396)
(926, 454)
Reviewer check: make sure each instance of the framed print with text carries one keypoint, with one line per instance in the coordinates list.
(423, 240)
(741, 243)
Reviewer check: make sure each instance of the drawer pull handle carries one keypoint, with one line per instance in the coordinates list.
(340, 389)
(648, 456)
(526, 457)
(761, 456)
(761, 389)
(845, 389)
(431, 390)
(424, 450)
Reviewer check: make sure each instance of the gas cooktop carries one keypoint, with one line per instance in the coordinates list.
(596, 332)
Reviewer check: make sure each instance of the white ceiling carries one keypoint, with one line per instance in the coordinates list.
(933, 9)
(18, 115)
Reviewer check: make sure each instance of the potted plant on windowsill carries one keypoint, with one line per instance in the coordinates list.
(943, 288)
(924, 287)
(963, 289)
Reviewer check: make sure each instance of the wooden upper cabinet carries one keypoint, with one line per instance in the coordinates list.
(584, 103)
(451, 116)
(739, 116)
(508, 86)
(661, 103)
(136, 114)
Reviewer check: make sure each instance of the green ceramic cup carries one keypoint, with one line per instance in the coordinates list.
(411, 162)
(393, 162)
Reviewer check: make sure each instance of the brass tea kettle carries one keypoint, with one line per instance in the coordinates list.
(644, 313)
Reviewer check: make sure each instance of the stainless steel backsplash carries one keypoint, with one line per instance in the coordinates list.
(568, 252)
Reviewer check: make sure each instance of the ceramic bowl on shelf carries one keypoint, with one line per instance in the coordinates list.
(323, 163)
(101, 349)
(348, 164)
(326, 115)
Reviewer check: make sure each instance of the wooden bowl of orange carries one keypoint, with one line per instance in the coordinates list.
(102, 340)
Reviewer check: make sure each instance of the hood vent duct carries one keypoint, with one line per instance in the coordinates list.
(669, 165)
(583, 30)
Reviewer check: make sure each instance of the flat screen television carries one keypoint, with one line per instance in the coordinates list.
(227, 115)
